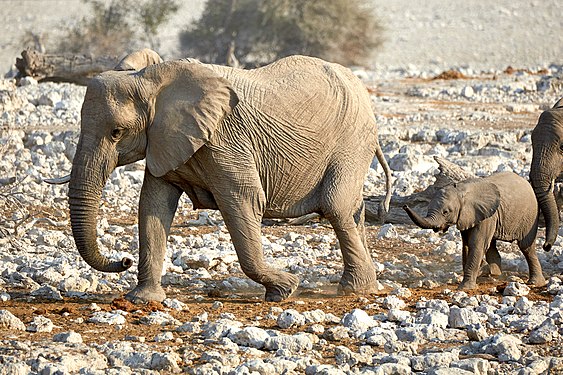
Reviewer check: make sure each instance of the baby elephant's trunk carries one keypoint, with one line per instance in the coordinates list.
(422, 222)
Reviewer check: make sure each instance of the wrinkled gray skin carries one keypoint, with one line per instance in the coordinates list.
(498, 207)
(547, 165)
(288, 139)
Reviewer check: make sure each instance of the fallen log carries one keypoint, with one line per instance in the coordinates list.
(78, 69)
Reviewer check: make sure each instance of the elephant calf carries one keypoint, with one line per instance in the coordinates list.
(498, 207)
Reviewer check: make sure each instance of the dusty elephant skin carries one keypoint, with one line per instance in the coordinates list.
(547, 165)
(498, 207)
(284, 140)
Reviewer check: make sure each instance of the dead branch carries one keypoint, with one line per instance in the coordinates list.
(64, 67)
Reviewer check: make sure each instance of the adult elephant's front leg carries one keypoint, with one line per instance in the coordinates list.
(242, 213)
(157, 206)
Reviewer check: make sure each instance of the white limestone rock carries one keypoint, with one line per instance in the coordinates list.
(10, 322)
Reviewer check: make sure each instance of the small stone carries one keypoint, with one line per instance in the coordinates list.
(475, 366)
(47, 292)
(297, 343)
(166, 362)
(396, 315)
(545, 333)
(314, 316)
(10, 321)
(290, 318)
(387, 231)
(70, 337)
(253, 337)
(159, 318)
(140, 339)
(435, 318)
(164, 336)
(462, 317)
(112, 317)
(467, 92)
(516, 289)
(174, 304)
(476, 332)
(316, 329)
(358, 320)
(505, 347)
(336, 333)
(393, 302)
(40, 324)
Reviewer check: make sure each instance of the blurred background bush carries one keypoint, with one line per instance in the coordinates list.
(245, 33)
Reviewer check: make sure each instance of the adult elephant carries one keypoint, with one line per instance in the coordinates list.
(284, 140)
(547, 165)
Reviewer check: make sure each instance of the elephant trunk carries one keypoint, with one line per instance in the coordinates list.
(543, 188)
(85, 192)
(423, 222)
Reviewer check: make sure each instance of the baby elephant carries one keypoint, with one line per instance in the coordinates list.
(499, 207)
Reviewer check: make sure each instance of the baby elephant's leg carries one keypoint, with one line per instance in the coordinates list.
(534, 266)
(493, 259)
(476, 240)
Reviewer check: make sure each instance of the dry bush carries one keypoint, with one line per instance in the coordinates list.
(257, 32)
(118, 27)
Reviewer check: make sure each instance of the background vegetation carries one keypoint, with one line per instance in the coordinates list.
(255, 32)
(118, 27)
(233, 32)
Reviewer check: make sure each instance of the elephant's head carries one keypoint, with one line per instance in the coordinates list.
(463, 204)
(547, 164)
(164, 113)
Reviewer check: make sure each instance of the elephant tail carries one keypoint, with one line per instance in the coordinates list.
(388, 183)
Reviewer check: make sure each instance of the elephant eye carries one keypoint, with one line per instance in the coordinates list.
(116, 133)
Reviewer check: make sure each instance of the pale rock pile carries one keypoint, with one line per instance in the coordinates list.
(480, 334)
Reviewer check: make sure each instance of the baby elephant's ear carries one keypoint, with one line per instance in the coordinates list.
(480, 201)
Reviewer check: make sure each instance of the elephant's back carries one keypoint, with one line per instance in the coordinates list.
(516, 192)
(309, 96)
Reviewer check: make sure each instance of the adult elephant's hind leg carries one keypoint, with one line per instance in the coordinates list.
(346, 215)
(242, 217)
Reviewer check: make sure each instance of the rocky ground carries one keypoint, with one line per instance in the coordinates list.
(57, 315)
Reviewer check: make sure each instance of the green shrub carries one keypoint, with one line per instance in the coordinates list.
(256, 32)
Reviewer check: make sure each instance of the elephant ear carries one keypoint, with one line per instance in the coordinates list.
(480, 200)
(189, 103)
(139, 60)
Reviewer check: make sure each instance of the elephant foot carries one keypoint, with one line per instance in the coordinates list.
(537, 280)
(144, 294)
(284, 287)
(467, 285)
(364, 282)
